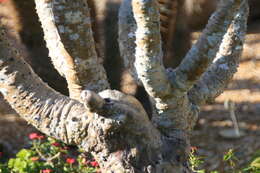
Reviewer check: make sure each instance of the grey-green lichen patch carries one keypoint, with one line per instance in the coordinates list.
(73, 17)
(74, 36)
(61, 29)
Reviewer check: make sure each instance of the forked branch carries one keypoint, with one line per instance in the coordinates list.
(114, 116)
(113, 126)
(201, 55)
(148, 51)
(214, 81)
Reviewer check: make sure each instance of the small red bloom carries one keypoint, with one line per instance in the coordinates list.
(41, 137)
(1, 1)
(33, 136)
(34, 158)
(1, 154)
(94, 163)
(70, 160)
(56, 144)
(47, 171)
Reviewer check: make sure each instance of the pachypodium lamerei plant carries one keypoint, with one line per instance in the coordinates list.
(111, 125)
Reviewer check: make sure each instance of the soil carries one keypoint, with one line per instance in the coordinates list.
(243, 90)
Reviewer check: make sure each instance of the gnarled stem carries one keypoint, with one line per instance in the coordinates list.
(104, 135)
(49, 111)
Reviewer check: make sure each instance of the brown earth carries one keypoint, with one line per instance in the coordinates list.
(244, 91)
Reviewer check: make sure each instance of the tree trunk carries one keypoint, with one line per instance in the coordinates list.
(113, 126)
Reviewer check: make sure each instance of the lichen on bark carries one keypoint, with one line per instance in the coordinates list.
(111, 125)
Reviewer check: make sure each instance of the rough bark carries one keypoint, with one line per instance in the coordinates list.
(68, 34)
(117, 131)
(150, 70)
(203, 52)
(173, 29)
(113, 126)
(225, 64)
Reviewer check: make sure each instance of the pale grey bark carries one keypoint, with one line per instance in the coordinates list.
(102, 133)
(111, 125)
(126, 37)
(40, 105)
(199, 58)
(150, 70)
(127, 26)
(225, 64)
(148, 51)
(68, 34)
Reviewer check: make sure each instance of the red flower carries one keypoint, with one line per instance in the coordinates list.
(41, 137)
(33, 136)
(46, 171)
(70, 160)
(34, 158)
(56, 144)
(94, 163)
(1, 1)
(1, 154)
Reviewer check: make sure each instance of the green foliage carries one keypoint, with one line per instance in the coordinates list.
(195, 161)
(254, 166)
(229, 159)
(49, 156)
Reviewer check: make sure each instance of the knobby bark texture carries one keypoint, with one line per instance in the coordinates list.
(69, 38)
(113, 126)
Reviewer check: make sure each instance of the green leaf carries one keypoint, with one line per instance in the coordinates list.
(228, 155)
(256, 163)
(24, 154)
(4, 168)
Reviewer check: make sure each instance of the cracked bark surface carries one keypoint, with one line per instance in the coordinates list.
(113, 126)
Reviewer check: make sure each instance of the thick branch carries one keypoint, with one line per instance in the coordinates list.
(148, 49)
(121, 137)
(127, 28)
(126, 37)
(171, 110)
(47, 110)
(124, 141)
(69, 38)
(203, 52)
(226, 62)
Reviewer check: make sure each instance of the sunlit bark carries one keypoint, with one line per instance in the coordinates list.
(68, 34)
(225, 64)
(111, 125)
